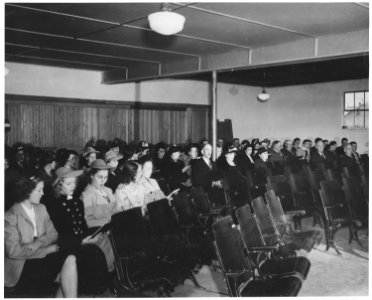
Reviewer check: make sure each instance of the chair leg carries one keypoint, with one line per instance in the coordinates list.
(332, 240)
(354, 234)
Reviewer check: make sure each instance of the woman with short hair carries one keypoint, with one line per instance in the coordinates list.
(32, 257)
(130, 192)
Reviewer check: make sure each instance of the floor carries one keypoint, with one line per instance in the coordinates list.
(330, 274)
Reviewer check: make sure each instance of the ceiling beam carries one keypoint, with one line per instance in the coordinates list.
(103, 42)
(247, 20)
(176, 75)
(125, 24)
(83, 53)
(67, 61)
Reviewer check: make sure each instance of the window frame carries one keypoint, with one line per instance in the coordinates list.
(364, 110)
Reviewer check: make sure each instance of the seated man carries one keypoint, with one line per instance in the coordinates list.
(355, 154)
(340, 150)
(261, 170)
(347, 160)
(318, 156)
(204, 174)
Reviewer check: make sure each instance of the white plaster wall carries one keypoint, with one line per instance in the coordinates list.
(305, 111)
(36, 80)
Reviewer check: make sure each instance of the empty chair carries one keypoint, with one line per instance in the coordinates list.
(137, 264)
(237, 269)
(303, 239)
(280, 261)
(280, 185)
(337, 212)
(304, 196)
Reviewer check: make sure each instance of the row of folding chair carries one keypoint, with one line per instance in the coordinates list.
(151, 253)
(243, 276)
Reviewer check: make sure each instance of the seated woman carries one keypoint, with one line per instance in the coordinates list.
(99, 205)
(151, 188)
(130, 192)
(32, 257)
(67, 213)
(175, 170)
(90, 156)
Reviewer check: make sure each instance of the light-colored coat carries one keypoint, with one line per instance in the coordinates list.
(19, 232)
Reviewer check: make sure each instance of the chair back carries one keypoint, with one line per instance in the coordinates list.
(201, 200)
(275, 207)
(162, 218)
(249, 229)
(299, 183)
(130, 224)
(334, 199)
(231, 254)
(280, 184)
(184, 209)
(265, 220)
(355, 195)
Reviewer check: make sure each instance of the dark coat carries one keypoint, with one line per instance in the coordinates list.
(202, 175)
(114, 179)
(261, 172)
(317, 159)
(173, 173)
(243, 162)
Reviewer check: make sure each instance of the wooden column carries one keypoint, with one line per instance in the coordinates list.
(214, 114)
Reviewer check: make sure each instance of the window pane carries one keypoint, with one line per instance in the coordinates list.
(349, 119)
(359, 119)
(367, 119)
(366, 100)
(359, 100)
(349, 100)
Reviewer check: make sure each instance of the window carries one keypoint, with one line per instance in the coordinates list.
(356, 110)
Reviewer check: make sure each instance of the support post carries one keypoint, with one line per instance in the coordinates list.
(214, 114)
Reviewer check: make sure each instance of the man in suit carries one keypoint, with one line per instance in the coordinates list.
(204, 174)
(318, 156)
(347, 160)
(355, 154)
(340, 150)
(261, 168)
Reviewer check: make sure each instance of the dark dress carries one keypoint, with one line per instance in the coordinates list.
(174, 175)
(68, 219)
(244, 163)
(238, 187)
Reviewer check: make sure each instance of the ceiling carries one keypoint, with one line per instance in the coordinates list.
(115, 38)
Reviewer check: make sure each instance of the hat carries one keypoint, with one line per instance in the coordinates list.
(266, 141)
(174, 149)
(143, 145)
(111, 155)
(247, 145)
(99, 164)
(262, 150)
(64, 172)
(89, 151)
(231, 149)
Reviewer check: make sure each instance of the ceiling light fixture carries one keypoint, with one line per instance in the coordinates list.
(166, 22)
(263, 96)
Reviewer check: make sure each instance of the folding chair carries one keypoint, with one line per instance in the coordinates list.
(176, 254)
(337, 212)
(279, 262)
(304, 239)
(305, 197)
(137, 263)
(239, 276)
(198, 236)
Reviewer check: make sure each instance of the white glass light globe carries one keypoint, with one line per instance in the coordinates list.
(166, 22)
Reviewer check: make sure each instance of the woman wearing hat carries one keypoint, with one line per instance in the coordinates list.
(99, 205)
(90, 156)
(32, 257)
(67, 213)
(174, 169)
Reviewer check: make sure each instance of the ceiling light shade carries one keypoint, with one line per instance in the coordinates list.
(263, 96)
(166, 22)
